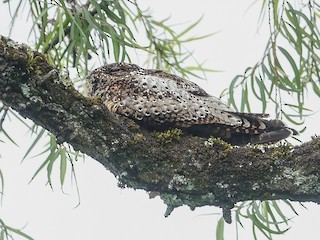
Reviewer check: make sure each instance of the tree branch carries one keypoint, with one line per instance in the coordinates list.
(183, 169)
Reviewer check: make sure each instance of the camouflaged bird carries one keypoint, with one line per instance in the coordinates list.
(160, 101)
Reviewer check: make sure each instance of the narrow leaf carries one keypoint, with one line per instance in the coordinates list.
(220, 229)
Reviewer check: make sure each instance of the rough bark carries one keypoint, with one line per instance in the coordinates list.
(184, 169)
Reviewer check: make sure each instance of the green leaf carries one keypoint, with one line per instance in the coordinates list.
(270, 213)
(8, 136)
(19, 118)
(2, 185)
(294, 67)
(200, 68)
(6, 231)
(116, 45)
(291, 206)
(233, 84)
(245, 104)
(39, 169)
(112, 15)
(296, 107)
(19, 232)
(63, 165)
(279, 211)
(290, 119)
(315, 87)
(34, 143)
(263, 228)
(189, 28)
(220, 229)
(192, 39)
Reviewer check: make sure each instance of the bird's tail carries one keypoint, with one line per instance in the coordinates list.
(266, 131)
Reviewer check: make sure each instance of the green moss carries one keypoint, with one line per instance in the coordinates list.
(212, 141)
(283, 151)
(32, 65)
(169, 136)
(138, 137)
(224, 148)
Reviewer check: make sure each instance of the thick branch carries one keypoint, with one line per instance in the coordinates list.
(183, 169)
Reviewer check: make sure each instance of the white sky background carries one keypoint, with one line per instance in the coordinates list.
(107, 212)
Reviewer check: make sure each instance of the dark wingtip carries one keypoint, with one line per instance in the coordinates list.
(294, 132)
(273, 136)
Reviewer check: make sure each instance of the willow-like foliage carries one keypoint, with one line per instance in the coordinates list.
(74, 34)
(289, 68)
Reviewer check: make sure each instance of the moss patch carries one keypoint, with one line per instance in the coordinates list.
(172, 135)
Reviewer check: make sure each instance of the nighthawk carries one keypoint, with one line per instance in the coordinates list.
(158, 100)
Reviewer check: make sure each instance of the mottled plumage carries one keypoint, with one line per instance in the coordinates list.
(158, 100)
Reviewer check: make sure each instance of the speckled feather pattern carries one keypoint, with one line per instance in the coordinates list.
(159, 100)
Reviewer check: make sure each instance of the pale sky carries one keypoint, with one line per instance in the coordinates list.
(108, 212)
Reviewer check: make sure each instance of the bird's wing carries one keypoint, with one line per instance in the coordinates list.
(162, 99)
